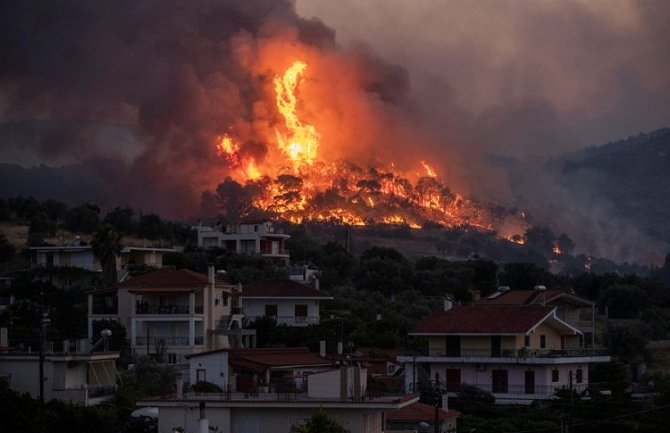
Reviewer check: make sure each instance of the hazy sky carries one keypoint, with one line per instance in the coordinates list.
(591, 71)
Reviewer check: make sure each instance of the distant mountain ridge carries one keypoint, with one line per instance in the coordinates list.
(633, 174)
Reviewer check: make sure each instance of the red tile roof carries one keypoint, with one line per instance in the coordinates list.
(481, 319)
(527, 297)
(167, 279)
(262, 359)
(278, 288)
(418, 412)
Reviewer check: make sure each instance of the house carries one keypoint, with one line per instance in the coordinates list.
(172, 313)
(341, 393)
(71, 372)
(241, 370)
(249, 237)
(418, 416)
(575, 310)
(519, 353)
(289, 302)
(74, 263)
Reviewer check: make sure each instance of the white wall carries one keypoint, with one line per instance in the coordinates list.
(215, 366)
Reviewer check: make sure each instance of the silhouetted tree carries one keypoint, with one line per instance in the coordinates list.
(106, 246)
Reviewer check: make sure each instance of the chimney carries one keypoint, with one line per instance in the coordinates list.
(339, 348)
(448, 303)
(4, 340)
(180, 386)
(316, 283)
(211, 274)
(445, 402)
(322, 348)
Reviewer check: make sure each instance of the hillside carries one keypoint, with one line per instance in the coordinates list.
(633, 174)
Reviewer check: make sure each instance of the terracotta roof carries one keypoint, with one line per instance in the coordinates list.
(262, 359)
(480, 319)
(527, 297)
(418, 412)
(278, 288)
(167, 279)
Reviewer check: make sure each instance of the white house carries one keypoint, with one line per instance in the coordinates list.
(172, 313)
(519, 353)
(240, 370)
(70, 372)
(341, 393)
(288, 302)
(249, 237)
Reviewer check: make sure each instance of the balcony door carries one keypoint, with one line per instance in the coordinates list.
(453, 343)
(453, 379)
(496, 345)
(499, 382)
(529, 382)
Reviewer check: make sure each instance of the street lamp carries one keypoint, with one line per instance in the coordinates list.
(105, 334)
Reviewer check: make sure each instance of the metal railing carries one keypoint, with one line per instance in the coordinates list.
(168, 341)
(511, 353)
(101, 391)
(161, 309)
(296, 320)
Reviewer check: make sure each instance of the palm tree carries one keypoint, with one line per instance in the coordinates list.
(106, 246)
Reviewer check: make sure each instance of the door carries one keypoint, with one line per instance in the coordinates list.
(495, 346)
(499, 381)
(453, 343)
(529, 382)
(453, 379)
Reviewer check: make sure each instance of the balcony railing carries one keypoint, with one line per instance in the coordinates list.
(101, 309)
(161, 309)
(168, 341)
(511, 353)
(296, 320)
(506, 388)
(101, 391)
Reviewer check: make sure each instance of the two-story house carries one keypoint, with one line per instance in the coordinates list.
(575, 310)
(249, 237)
(289, 302)
(171, 313)
(518, 353)
(74, 264)
(341, 393)
(70, 371)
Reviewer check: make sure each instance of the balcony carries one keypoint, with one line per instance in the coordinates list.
(522, 355)
(142, 308)
(297, 320)
(168, 341)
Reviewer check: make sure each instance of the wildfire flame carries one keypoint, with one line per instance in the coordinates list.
(302, 142)
(294, 184)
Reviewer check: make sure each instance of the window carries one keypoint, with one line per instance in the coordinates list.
(300, 312)
(171, 358)
(453, 379)
(579, 376)
(271, 310)
(453, 343)
(526, 341)
(554, 375)
(543, 341)
(224, 300)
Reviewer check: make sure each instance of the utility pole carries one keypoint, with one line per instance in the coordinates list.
(43, 338)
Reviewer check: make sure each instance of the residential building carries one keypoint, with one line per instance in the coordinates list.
(71, 373)
(519, 353)
(74, 264)
(341, 393)
(289, 302)
(171, 313)
(575, 310)
(418, 417)
(250, 237)
(241, 370)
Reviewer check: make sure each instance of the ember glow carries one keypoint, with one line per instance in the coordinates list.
(298, 185)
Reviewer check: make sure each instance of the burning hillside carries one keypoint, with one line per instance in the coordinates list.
(294, 183)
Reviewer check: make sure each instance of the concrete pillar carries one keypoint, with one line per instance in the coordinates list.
(191, 331)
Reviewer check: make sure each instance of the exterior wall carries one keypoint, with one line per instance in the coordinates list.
(327, 384)
(552, 341)
(264, 420)
(215, 366)
(255, 307)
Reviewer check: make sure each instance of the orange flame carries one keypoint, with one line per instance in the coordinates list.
(303, 140)
(429, 170)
